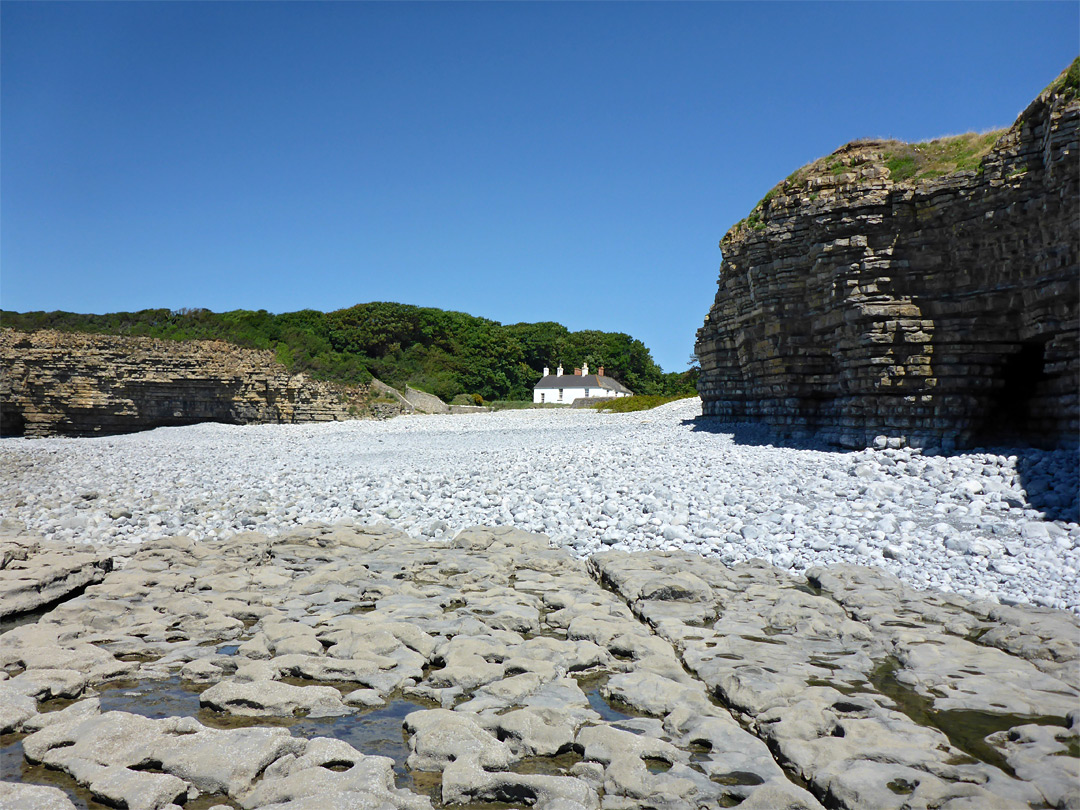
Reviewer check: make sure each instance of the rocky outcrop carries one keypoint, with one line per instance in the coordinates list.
(424, 402)
(872, 295)
(59, 383)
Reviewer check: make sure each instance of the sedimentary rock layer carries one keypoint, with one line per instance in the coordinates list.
(59, 383)
(928, 310)
(349, 666)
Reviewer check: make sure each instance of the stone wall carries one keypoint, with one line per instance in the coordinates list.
(931, 311)
(59, 383)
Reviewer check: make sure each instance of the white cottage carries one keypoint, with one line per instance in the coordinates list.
(581, 384)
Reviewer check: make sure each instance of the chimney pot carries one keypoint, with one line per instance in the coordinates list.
(585, 369)
(547, 371)
(559, 370)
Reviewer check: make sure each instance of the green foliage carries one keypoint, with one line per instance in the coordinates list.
(681, 384)
(1071, 82)
(901, 167)
(284, 355)
(1068, 83)
(521, 405)
(929, 159)
(433, 350)
(636, 403)
(468, 399)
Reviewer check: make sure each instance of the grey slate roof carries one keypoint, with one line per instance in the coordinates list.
(582, 381)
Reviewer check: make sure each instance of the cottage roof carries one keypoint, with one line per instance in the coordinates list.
(582, 381)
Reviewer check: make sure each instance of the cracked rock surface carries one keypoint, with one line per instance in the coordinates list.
(338, 666)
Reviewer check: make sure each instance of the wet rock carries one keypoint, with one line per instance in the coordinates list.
(439, 737)
(15, 708)
(464, 781)
(17, 796)
(534, 732)
(136, 790)
(1036, 752)
(331, 771)
(201, 671)
(534, 663)
(273, 698)
(806, 669)
(91, 747)
(653, 694)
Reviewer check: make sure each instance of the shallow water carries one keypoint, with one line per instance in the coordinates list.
(966, 729)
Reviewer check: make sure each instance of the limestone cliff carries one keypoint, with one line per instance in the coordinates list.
(926, 292)
(60, 383)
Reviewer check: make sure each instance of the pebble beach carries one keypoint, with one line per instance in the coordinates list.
(997, 525)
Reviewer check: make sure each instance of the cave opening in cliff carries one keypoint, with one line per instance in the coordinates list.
(1016, 387)
(12, 422)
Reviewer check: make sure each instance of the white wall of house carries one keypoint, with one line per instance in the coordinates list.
(549, 395)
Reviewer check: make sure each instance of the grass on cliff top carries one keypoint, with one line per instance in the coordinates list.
(636, 403)
(1068, 83)
(941, 156)
(905, 161)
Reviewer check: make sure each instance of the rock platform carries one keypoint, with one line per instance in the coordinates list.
(342, 666)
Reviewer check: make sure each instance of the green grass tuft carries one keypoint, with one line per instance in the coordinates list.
(1068, 83)
(941, 156)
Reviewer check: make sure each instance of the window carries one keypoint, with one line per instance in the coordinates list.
(560, 395)
(586, 392)
(542, 397)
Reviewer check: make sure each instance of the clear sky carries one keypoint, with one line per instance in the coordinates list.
(520, 161)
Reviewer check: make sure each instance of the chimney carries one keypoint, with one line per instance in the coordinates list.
(547, 371)
(577, 372)
(559, 370)
(585, 369)
(600, 372)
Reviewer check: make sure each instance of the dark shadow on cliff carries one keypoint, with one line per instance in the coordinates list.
(1051, 481)
(1050, 478)
(754, 434)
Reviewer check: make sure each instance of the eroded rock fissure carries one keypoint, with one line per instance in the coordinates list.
(717, 697)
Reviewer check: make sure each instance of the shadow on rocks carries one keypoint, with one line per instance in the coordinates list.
(759, 435)
(1050, 478)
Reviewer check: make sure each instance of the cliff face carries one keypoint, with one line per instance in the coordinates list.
(58, 383)
(856, 302)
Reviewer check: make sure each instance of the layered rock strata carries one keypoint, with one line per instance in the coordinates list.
(928, 310)
(60, 383)
(282, 672)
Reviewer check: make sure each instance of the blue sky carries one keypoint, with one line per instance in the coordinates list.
(520, 161)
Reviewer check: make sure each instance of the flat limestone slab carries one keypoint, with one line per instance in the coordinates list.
(342, 666)
(36, 572)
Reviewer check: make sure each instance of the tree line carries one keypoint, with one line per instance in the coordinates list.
(444, 353)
